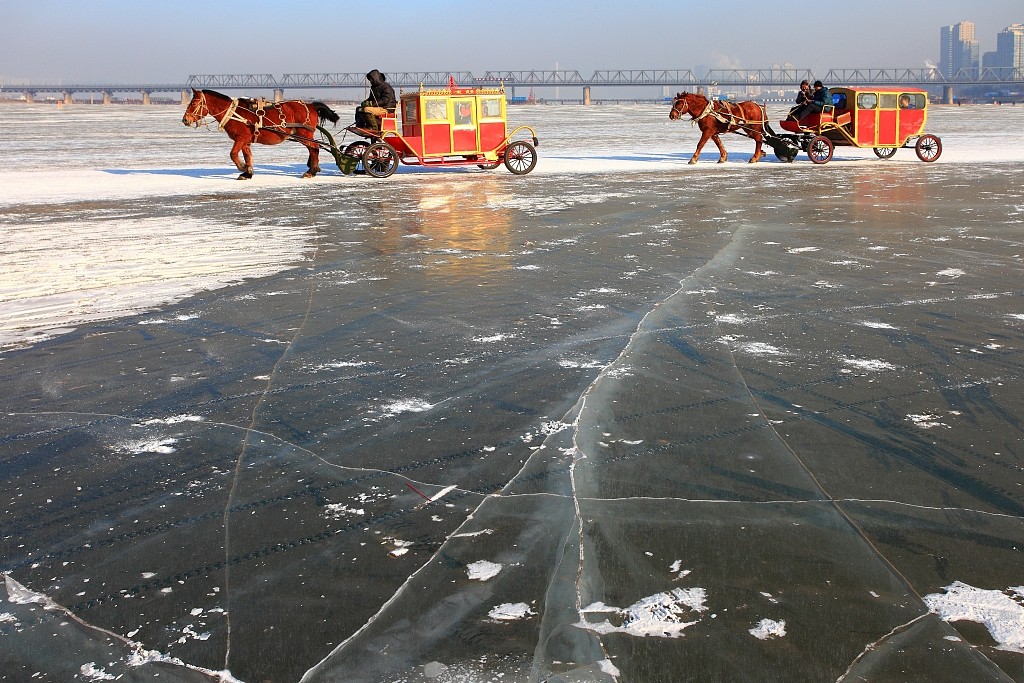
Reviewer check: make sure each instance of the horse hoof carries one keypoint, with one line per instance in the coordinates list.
(245, 176)
(721, 161)
(307, 174)
(692, 162)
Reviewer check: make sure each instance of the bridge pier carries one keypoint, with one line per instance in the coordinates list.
(586, 94)
(29, 97)
(947, 94)
(145, 97)
(106, 97)
(67, 97)
(278, 94)
(185, 98)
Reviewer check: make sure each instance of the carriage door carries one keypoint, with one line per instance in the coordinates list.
(464, 128)
(867, 118)
(437, 130)
(492, 122)
(912, 108)
(888, 127)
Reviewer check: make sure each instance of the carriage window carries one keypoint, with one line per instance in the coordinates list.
(867, 100)
(490, 108)
(409, 111)
(912, 101)
(889, 101)
(436, 109)
(463, 111)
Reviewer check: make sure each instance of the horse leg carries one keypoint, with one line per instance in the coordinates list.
(721, 148)
(235, 149)
(313, 163)
(758, 152)
(247, 154)
(705, 135)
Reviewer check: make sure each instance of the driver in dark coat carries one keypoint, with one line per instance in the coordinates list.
(382, 95)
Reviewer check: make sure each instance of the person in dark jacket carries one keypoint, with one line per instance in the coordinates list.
(802, 98)
(382, 96)
(819, 98)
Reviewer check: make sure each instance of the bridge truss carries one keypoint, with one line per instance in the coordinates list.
(781, 78)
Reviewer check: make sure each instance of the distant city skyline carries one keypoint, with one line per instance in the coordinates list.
(60, 41)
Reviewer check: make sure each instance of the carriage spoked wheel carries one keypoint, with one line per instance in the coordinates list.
(928, 147)
(520, 157)
(885, 152)
(820, 149)
(380, 160)
(356, 150)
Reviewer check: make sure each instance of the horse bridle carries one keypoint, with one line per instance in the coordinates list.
(202, 110)
(679, 107)
(194, 110)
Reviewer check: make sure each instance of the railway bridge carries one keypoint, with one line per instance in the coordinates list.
(770, 78)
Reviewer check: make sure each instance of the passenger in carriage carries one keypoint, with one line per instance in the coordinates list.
(819, 98)
(802, 98)
(382, 96)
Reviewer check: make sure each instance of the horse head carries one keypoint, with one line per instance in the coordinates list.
(680, 105)
(197, 109)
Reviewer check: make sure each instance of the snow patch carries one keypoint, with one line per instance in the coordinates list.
(868, 364)
(511, 611)
(483, 570)
(1001, 612)
(769, 628)
(661, 614)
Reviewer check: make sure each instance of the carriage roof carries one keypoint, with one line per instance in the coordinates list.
(453, 92)
(878, 89)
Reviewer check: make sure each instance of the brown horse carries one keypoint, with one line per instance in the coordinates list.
(269, 123)
(747, 118)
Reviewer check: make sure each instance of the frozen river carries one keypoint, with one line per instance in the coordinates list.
(618, 419)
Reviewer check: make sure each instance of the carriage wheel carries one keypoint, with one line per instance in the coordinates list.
(820, 149)
(520, 157)
(380, 160)
(885, 152)
(785, 149)
(356, 149)
(928, 147)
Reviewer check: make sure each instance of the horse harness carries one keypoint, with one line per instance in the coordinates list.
(729, 117)
(258, 108)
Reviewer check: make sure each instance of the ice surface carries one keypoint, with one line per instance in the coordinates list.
(619, 419)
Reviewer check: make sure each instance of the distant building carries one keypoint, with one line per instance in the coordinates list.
(959, 50)
(1010, 49)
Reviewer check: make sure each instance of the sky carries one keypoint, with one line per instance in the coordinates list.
(142, 41)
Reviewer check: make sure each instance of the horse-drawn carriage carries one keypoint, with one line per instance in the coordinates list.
(452, 126)
(884, 119)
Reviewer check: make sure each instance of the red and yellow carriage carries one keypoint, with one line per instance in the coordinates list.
(884, 119)
(450, 126)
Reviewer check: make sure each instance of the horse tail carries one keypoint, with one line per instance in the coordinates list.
(325, 112)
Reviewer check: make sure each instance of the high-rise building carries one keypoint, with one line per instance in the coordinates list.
(1010, 49)
(946, 51)
(959, 49)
